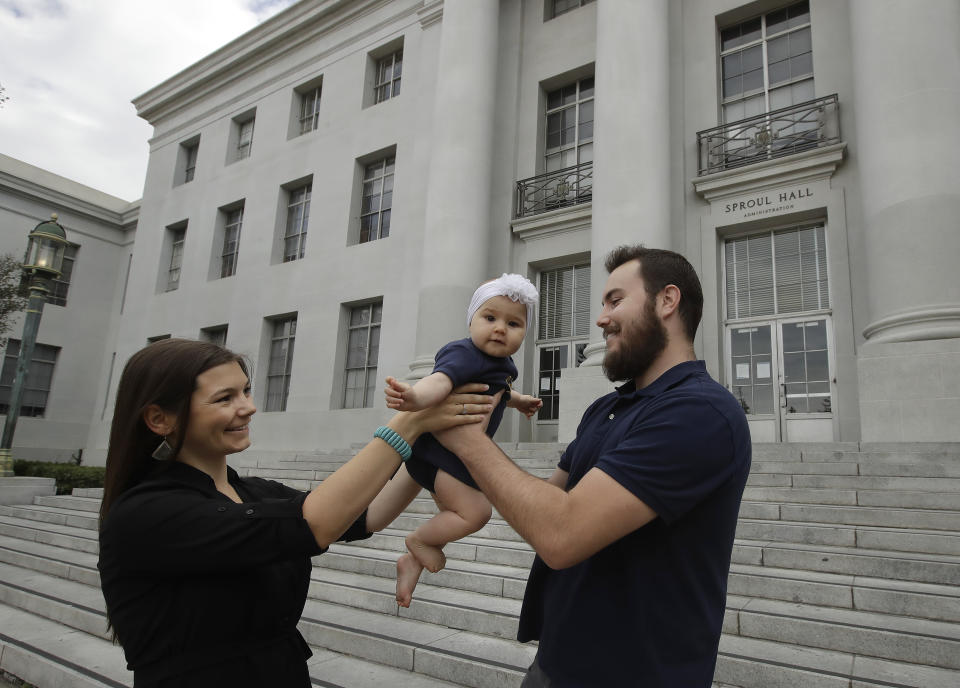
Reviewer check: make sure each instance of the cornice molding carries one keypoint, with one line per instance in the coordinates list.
(300, 24)
(554, 222)
(819, 163)
(430, 13)
(123, 218)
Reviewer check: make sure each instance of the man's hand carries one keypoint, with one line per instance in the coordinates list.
(401, 396)
(525, 404)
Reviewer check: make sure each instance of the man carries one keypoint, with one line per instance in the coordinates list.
(634, 530)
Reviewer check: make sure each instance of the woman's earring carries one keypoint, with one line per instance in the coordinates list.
(163, 452)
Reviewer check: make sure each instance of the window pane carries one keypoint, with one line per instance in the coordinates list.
(363, 350)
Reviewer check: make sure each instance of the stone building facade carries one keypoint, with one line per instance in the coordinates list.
(325, 192)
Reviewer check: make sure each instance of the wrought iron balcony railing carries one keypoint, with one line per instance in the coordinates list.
(559, 189)
(773, 134)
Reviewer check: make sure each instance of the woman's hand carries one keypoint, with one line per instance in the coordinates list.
(464, 406)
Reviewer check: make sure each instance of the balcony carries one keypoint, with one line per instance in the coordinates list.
(558, 189)
(774, 134)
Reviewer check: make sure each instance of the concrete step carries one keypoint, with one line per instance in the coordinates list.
(916, 567)
(463, 610)
(868, 482)
(893, 539)
(288, 476)
(752, 617)
(73, 604)
(480, 577)
(82, 539)
(460, 657)
(901, 598)
(52, 514)
(48, 654)
(906, 598)
(71, 502)
(96, 492)
(490, 551)
(753, 663)
(882, 636)
(798, 467)
(893, 517)
(56, 561)
(330, 669)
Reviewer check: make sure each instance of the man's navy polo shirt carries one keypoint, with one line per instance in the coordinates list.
(647, 610)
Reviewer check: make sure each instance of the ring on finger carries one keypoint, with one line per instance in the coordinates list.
(463, 409)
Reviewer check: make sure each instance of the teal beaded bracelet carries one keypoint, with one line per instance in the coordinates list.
(394, 440)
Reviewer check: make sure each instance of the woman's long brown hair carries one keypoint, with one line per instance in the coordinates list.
(163, 373)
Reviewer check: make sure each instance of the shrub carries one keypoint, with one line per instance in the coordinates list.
(67, 475)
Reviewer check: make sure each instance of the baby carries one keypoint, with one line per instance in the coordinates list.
(497, 319)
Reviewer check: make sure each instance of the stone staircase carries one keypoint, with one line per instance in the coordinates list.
(845, 574)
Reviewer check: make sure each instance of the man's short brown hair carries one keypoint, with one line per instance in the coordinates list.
(659, 268)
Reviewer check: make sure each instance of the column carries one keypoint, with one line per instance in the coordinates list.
(906, 75)
(631, 168)
(457, 222)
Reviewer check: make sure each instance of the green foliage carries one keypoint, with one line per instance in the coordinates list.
(12, 299)
(67, 475)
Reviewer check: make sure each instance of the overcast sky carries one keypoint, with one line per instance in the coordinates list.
(71, 67)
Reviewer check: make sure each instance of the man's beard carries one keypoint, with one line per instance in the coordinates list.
(641, 341)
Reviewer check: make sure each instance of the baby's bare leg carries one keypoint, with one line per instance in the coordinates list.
(392, 500)
(464, 511)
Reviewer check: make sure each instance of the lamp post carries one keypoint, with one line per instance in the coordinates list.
(42, 264)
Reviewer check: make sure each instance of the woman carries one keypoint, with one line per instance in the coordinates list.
(205, 573)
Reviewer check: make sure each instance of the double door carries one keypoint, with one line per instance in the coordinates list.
(781, 373)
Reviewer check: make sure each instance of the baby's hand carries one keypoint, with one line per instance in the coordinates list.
(527, 405)
(400, 395)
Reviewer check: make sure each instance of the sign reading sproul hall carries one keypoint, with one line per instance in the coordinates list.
(771, 202)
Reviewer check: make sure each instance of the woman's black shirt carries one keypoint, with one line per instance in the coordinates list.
(203, 591)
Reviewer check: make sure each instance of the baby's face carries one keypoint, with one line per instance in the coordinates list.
(498, 326)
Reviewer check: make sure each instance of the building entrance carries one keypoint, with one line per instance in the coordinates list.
(779, 334)
(780, 373)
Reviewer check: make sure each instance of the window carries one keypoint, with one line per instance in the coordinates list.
(776, 273)
(569, 125)
(309, 110)
(244, 138)
(283, 334)
(157, 338)
(61, 285)
(363, 350)
(177, 238)
(232, 221)
(557, 7)
(563, 330)
(377, 200)
(767, 63)
(36, 386)
(295, 233)
(187, 160)
(387, 82)
(215, 335)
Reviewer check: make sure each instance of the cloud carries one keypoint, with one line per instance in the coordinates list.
(71, 68)
(27, 8)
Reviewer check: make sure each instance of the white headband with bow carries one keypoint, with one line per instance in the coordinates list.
(515, 287)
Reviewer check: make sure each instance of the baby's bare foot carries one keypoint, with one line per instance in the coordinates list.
(431, 558)
(408, 575)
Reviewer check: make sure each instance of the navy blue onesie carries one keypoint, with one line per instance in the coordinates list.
(462, 362)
